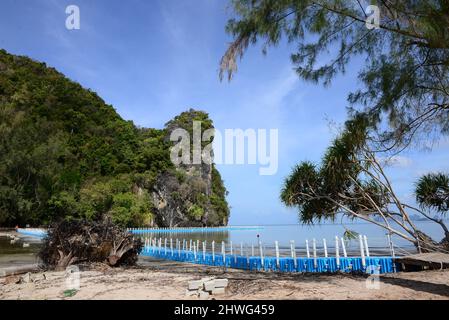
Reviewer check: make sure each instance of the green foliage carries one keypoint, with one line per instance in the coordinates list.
(131, 209)
(66, 154)
(63, 205)
(298, 191)
(432, 191)
(218, 200)
(195, 212)
(154, 152)
(405, 92)
(105, 197)
(185, 121)
(350, 235)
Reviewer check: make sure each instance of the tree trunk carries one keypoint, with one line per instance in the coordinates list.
(65, 260)
(425, 244)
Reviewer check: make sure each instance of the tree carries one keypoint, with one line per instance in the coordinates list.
(78, 241)
(351, 181)
(432, 191)
(405, 79)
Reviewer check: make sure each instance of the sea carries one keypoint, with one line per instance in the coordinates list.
(249, 239)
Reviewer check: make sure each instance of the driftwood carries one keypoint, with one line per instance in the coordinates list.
(70, 242)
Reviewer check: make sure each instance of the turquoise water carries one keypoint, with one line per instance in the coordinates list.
(247, 239)
(15, 254)
(268, 234)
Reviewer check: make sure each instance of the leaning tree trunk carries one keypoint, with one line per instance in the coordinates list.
(425, 244)
(444, 244)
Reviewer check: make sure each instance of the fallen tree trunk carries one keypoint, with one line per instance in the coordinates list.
(70, 242)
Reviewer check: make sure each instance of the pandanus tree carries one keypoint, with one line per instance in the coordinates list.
(351, 181)
(432, 193)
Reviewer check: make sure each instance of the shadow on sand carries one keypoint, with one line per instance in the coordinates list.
(235, 274)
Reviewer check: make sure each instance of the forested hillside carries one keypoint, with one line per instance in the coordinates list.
(65, 153)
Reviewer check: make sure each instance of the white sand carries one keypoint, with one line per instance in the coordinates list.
(168, 280)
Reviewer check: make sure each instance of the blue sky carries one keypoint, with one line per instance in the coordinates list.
(154, 59)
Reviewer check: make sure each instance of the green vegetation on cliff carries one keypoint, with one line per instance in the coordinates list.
(65, 153)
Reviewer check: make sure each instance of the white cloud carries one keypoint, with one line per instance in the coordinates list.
(396, 161)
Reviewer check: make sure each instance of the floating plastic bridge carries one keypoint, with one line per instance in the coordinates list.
(372, 265)
(312, 263)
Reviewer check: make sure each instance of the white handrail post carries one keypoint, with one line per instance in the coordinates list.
(235, 256)
(252, 249)
(213, 251)
(315, 262)
(261, 254)
(365, 240)
(343, 246)
(362, 251)
(230, 247)
(393, 255)
(390, 241)
(194, 252)
(337, 251)
(293, 251)
(307, 249)
(325, 248)
(276, 244)
(204, 250)
(223, 252)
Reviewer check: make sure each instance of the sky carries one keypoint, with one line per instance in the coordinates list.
(154, 59)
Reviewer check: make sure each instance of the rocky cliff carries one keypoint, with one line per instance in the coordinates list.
(191, 194)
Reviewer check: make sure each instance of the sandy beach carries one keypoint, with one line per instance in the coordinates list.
(154, 280)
